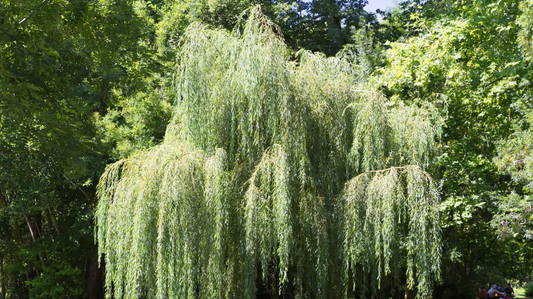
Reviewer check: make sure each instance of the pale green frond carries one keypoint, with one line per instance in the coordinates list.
(378, 205)
(259, 179)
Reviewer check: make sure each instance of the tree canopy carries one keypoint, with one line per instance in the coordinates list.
(275, 164)
(281, 149)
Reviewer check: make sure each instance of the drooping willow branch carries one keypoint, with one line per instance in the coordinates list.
(377, 204)
(271, 171)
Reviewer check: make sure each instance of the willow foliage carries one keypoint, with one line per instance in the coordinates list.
(290, 173)
(387, 211)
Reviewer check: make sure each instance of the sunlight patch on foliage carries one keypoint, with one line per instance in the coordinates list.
(251, 177)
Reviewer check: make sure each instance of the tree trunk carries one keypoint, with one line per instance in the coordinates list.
(471, 263)
(54, 221)
(94, 276)
(34, 225)
(33, 233)
(2, 280)
(453, 267)
(334, 32)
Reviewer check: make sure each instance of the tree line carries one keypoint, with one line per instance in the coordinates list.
(291, 149)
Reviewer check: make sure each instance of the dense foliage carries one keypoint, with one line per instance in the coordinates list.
(252, 171)
(470, 54)
(292, 149)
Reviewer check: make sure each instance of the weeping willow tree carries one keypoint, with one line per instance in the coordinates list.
(289, 174)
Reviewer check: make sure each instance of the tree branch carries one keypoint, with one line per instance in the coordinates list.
(393, 167)
(79, 188)
(54, 221)
(33, 12)
(32, 233)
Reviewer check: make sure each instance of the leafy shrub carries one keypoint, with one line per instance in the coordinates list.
(528, 289)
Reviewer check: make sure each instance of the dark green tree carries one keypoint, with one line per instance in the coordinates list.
(60, 62)
(325, 25)
(466, 56)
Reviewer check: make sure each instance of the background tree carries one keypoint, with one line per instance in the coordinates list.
(84, 84)
(514, 220)
(323, 25)
(467, 57)
(60, 61)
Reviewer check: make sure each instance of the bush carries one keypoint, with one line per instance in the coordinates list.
(528, 289)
